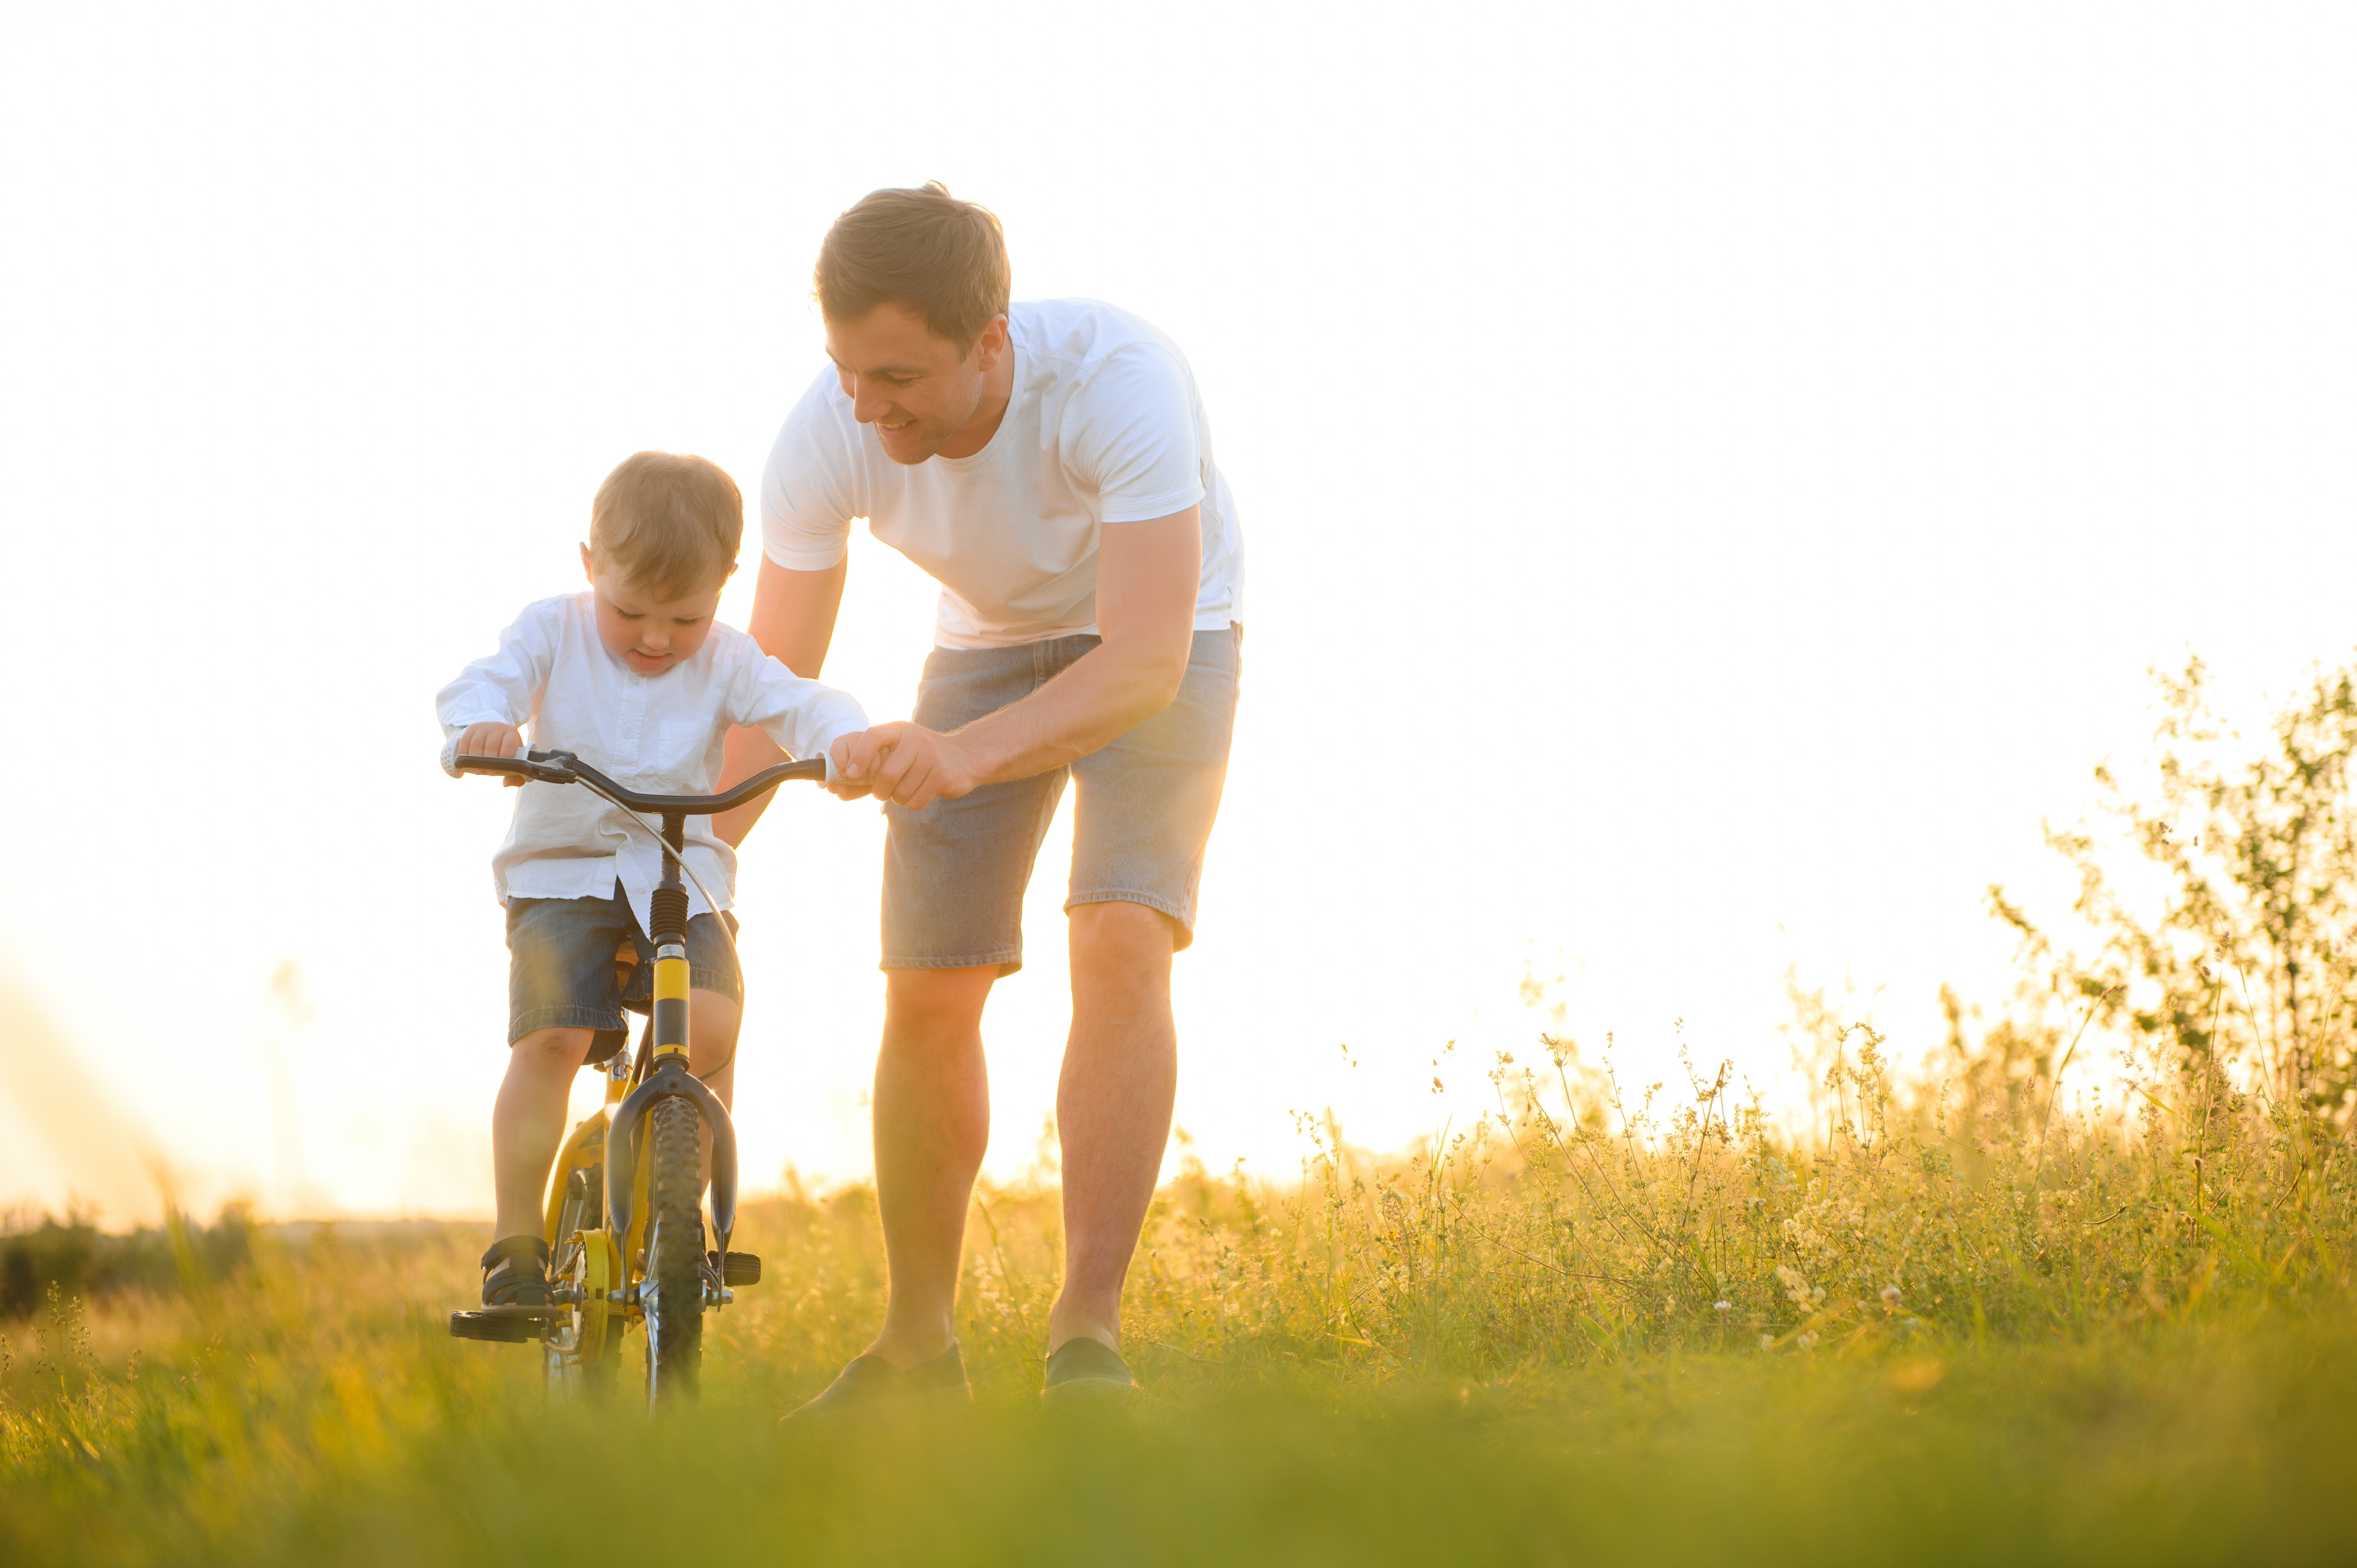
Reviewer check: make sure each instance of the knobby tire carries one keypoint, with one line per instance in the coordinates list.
(673, 1291)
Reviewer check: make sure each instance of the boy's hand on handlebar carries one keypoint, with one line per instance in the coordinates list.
(905, 763)
(841, 786)
(493, 740)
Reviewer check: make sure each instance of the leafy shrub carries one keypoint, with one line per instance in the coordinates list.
(75, 1257)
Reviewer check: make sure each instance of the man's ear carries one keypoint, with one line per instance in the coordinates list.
(991, 344)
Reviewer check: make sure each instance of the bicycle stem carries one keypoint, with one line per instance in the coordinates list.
(667, 929)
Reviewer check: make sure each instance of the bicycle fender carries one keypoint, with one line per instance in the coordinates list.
(671, 1076)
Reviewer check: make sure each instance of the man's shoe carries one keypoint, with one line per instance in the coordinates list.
(1087, 1371)
(871, 1380)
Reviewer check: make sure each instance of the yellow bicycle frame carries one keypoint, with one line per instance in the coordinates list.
(585, 1149)
(670, 999)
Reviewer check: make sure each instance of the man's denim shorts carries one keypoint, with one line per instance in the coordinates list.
(954, 873)
(560, 969)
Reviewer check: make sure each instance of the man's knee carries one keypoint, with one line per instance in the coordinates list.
(926, 1005)
(1116, 940)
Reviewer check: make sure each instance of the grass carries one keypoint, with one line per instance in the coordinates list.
(1956, 1325)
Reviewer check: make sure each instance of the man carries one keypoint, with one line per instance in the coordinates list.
(1049, 463)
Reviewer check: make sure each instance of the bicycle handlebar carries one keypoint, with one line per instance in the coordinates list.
(564, 767)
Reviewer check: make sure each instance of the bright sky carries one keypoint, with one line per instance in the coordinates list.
(1713, 478)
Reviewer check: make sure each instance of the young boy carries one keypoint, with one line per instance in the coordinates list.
(637, 679)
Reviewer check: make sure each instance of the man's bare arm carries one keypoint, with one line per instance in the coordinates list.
(1147, 576)
(793, 621)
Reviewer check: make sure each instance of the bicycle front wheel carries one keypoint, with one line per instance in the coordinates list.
(671, 1295)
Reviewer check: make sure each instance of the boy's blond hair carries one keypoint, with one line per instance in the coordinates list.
(668, 522)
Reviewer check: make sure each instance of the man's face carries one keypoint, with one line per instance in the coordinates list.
(916, 389)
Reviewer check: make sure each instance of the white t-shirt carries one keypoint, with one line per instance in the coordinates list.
(659, 735)
(1104, 426)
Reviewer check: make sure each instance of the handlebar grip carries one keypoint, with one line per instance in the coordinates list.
(529, 766)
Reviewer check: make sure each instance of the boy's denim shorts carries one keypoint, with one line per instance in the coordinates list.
(560, 969)
(954, 873)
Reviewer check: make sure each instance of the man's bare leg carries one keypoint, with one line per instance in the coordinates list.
(1112, 1106)
(933, 1122)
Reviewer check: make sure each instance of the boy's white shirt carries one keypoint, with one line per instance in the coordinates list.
(553, 678)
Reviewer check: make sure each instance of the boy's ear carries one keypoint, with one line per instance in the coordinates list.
(589, 570)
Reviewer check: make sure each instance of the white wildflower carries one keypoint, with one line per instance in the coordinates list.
(1805, 1297)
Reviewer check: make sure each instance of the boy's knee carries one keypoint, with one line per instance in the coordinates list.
(713, 1017)
(553, 1050)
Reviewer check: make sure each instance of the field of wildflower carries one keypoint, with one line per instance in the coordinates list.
(1955, 1329)
(1979, 1311)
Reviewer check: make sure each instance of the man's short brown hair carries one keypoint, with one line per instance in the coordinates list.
(943, 258)
(669, 524)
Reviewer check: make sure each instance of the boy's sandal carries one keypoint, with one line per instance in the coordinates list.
(515, 1273)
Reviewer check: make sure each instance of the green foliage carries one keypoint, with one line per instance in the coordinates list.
(74, 1256)
(2232, 961)
(1950, 1333)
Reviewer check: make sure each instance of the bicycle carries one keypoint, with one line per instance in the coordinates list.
(625, 1215)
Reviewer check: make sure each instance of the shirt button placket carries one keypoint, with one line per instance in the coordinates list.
(634, 717)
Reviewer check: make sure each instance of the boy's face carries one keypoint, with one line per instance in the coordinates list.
(648, 634)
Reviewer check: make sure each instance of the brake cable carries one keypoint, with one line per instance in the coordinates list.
(711, 905)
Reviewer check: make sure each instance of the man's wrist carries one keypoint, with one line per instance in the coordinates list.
(973, 751)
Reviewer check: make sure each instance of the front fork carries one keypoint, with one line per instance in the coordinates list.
(669, 1074)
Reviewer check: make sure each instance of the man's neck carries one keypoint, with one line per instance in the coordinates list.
(997, 390)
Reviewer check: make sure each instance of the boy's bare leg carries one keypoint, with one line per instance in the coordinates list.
(528, 1118)
(933, 1122)
(1112, 1106)
(528, 1124)
(712, 1024)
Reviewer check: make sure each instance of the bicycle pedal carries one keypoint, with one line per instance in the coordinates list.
(738, 1269)
(497, 1328)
